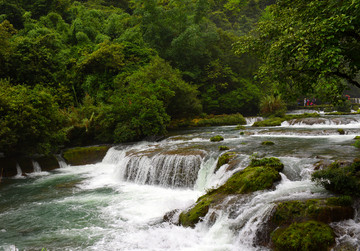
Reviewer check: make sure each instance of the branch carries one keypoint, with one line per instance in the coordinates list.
(347, 78)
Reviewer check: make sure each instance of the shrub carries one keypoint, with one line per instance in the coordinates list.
(272, 105)
(344, 180)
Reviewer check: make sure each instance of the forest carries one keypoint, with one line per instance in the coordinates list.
(106, 71)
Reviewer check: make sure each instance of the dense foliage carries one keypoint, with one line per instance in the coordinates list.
(122, 70)
(307, 46)
(115, 71)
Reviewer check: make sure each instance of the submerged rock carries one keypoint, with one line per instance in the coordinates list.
(267, 143)
(259, 175)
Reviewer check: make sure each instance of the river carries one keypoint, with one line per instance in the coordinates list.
(119, 204)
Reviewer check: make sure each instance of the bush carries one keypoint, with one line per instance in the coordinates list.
(30, 120)
(272, 105)
(344, 180)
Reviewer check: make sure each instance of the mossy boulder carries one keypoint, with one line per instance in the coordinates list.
(311, 235)
(224, 148)
(240, 127)
(341, 131)
(267, 143)
(356, 144)
(216, 138)
(357, 137)
(259, 175)
(85, 155)
(269, 122)
(224, 159)
(323, 210)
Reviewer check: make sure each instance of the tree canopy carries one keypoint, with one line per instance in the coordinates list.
(307, 45)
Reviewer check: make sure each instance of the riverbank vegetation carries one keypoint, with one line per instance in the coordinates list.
(100, 71)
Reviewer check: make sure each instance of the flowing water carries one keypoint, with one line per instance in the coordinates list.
(119, 204)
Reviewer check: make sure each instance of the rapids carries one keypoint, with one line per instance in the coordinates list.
(119, 204)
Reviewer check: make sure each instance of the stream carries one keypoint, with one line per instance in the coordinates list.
(119, 204)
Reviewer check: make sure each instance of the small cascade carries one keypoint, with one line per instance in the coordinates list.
(320, 122)
(251, 120)
(61, 161)
(19, 171)
(164, 170)
(36, 165)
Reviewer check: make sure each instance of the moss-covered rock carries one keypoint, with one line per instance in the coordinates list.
(267, 143)
(269, 122)
(224, 148)
(260, 175)
(240, 127)
(216, 138)
(224, 159)
(309, 235)
(357, 144)
(324, 210)
(357, 137)
(85, 155)
(341, 131)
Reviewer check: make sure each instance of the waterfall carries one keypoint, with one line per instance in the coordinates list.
(61, 161)
(164, 170)
(19, 171)
(251, 120)
(36, 165)
(169, 170)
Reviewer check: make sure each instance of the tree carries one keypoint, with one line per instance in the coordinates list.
(307, 44)
(30, 121)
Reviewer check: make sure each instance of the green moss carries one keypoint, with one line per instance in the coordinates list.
(267, 143)
(345, 201)
(309, 235)
(324, 210)
(242, 133)
(85, 155)
(216, 138)
(341, 131)
(191, 217)
(269, 122)
(240, 127)
(271, 162)
(340, 179)
(357, 137)
(252, 178)
(224, 148)
(224, 159)
(356, 144)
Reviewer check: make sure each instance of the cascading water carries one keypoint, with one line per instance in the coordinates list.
(119, 204)
(36, 166)
(19, 171)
